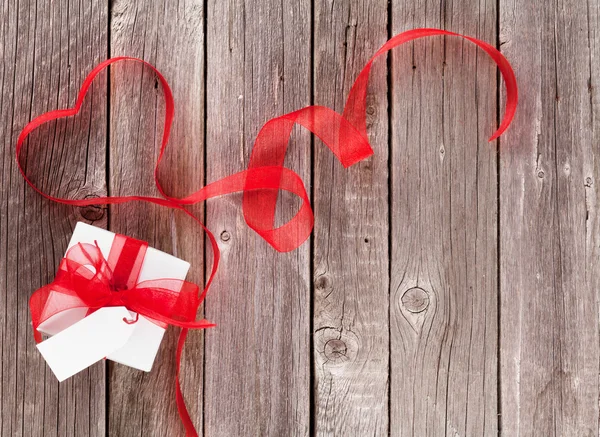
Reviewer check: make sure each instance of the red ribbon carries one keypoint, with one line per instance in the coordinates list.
(345, 134)
(114, 282)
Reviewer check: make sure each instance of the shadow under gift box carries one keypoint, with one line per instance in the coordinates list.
(140, 350)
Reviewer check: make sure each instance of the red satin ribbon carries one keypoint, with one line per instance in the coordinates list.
(345, 134)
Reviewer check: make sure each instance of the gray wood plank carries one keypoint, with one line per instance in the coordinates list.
(258, 357)
(351, 250)
(444, 224)
(550, 227)
(47, 49)
(169, 35)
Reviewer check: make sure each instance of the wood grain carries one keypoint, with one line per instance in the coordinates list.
(455, 281)
(47, 49)
(170, 36)
(444, 224)
(550, 229)
(258, 358)
(351, 252)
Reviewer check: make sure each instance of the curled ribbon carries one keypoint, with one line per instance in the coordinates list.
(345, 134)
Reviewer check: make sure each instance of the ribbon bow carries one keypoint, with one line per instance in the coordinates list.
(86, 279)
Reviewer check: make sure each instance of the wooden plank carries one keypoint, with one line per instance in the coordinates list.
(258, 357)
(550, 227)
(351, 250)
(444, 224)
(169, 35)
(47, 49)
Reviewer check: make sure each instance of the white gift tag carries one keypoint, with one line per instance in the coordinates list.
(87, 341)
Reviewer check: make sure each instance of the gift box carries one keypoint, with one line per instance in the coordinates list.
(80, 336)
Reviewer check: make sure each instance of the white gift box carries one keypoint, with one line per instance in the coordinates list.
(78, 341)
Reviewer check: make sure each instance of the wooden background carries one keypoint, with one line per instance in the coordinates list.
(451, 285)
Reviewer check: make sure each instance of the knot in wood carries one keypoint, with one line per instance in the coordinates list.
(415, 300)
(322, 282)
(337, 347)
(335, 350)
(92, 213)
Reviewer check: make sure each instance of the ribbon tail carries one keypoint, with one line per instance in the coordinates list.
(184, 415)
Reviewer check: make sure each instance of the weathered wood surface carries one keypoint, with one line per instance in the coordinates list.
(550, 228)
(258, 360)
(171, 37)
(443, 312)
(451, 284)
(46, 51)
(351, 247)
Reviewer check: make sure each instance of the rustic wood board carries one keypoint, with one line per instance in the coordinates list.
(550, 228)
(451, 284)
(444, 225)
(171, 37)
(351, 245)
(258, 358)
(46, 51)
